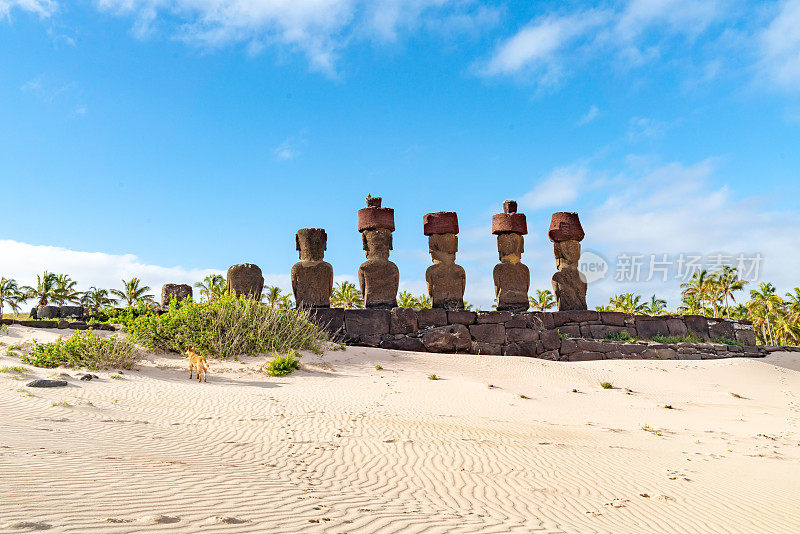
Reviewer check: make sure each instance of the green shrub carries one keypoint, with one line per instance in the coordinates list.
(606, 385)
(225, 327)
(283, 364)
(672, 340)
(123, 316)
(83, 349)
(726, 341)
(621, 335)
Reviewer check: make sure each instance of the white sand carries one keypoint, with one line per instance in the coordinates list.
(343, 447)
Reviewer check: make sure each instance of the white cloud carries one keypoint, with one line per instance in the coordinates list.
(780, 46)
(43, 8)
(538, 45)
(590, 115)
(559, 189)
(318, 29)
(682, 16)
(288, 149)
(646, 128)
(22, 261)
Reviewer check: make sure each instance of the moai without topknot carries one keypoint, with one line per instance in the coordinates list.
(312, 278)
(511, 277)
(378, 277)
(446, 280)
(245, 280)
(569, 284)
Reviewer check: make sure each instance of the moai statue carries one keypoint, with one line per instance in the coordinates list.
(176, 291)
(446, 280)
(511, 277)
(245, 280)
(378, 277)
(569, 284)
(312, 278)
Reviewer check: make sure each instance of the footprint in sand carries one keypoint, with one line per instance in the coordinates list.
(27, 525)
(147, 520)
(219, 520)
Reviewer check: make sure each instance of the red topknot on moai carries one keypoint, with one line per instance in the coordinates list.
(511, 277)
(569, 284)
(378, 277)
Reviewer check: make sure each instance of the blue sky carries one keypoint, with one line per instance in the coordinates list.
(171, 138)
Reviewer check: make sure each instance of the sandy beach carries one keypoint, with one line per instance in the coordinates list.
(362, 440)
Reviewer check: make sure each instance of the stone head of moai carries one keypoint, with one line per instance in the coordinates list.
(511, 276)
(311, 243)
(446, 280)
(569, 284)
(245, 280)
(378, 277)
(312, 278)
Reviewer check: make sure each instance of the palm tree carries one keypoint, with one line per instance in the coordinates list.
(699, 286)
(285, 302)
(690, 305)
(543, 301)
(727, 282)
(272, 294)
(423, 301)
(406, 300)
(212, 287)
(345, 295)
(765, 305)
(97, 298)
(10, 294)
(739, 313)
(45, 289)
(65, 290)
(656, 306)
(132, 293)
(628, 303)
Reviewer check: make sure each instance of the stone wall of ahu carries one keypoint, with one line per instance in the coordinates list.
(567, 335)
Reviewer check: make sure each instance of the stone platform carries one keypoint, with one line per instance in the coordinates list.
(562, 336)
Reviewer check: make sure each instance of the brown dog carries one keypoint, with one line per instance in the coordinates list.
(197, 362)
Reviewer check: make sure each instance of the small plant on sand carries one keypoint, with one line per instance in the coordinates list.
(379, 367)
(13, 369)
(433, 377)
(668, 407)
(574, 390)
(490, 386)
(606, 385)
(648, 428)
(283, 364)
(25, 392)
(521, 396)
(115, 377)
(60, 403)
(621, 335)
(83, 349)
(736, 396)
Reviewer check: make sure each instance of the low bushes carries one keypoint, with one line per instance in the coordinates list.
(283, 364)
(225, 327)
(83, 349)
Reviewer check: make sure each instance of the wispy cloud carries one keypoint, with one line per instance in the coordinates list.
(559, 189)
(590, 115)
(780, 46)
(319, 29)
(289, 148)
(43, 8)
(46, 90)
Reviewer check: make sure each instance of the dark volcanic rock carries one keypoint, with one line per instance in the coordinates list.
(452, 338)
(45, 383)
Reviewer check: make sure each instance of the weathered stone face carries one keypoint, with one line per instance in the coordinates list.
(377, 243)
(446, 280)
(312, 278)
(567, 253)
(178, 291)
(311, 243)
(570, 290)
(510, 247)
(378, 277)
(245, 280)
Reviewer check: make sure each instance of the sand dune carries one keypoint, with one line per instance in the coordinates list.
(341, 446)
